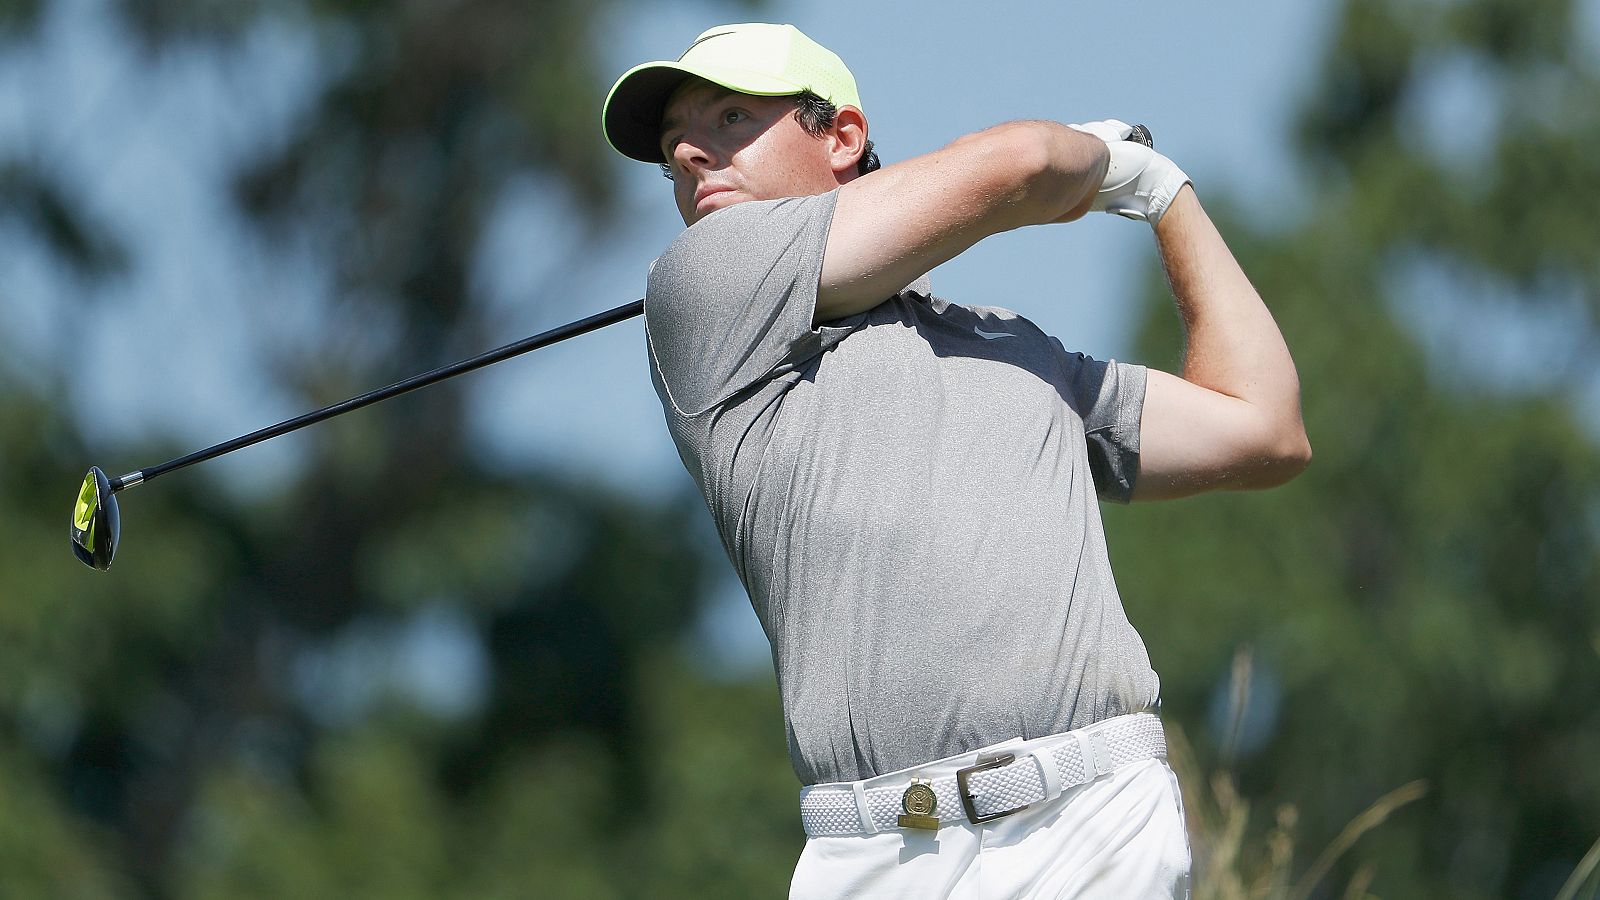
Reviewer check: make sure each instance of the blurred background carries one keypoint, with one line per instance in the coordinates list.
(482, 641)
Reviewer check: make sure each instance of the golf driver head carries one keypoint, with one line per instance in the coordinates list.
(96, 524)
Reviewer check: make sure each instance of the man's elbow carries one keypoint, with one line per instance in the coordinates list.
(1283, 461)
(1040, 171)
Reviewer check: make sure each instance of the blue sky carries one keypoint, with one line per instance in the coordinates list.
(1215, 82)
(928, 73)
(180, 340)
(148, 147)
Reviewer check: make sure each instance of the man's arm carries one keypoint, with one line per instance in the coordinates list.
(895, 224)
(1233, 420)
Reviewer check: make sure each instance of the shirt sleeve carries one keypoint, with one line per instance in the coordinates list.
(1109, 397)
(731, 300)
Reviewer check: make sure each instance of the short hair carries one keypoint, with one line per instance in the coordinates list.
(816, 116)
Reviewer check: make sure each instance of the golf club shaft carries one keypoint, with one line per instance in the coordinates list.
(543, 339)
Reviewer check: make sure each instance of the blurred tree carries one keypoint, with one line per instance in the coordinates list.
(1426, 599)
(222, 716)
(225, 715)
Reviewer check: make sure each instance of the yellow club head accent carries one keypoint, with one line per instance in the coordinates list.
(96, 523)
(88, 502)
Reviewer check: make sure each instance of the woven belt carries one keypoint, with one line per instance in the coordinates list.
(995, 785)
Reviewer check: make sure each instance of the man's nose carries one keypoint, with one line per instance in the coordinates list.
(689, 155)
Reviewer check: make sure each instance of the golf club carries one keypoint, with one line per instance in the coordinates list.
(97, 523)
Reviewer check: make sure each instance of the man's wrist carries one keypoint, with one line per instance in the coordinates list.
(1182, 207)
(1083, 159)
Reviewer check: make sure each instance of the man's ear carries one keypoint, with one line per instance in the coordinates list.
(847, 141)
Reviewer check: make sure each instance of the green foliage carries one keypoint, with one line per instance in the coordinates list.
(700, 816)
(1425, 594)
(1423, 599)
(17, 15)
(43, 206)
(45, 851)
(220, 716)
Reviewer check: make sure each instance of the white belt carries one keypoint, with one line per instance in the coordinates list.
(985, 785)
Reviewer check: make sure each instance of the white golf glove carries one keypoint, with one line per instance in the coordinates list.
(1140, 183)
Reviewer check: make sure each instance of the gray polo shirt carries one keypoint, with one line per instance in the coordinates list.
(908, 495)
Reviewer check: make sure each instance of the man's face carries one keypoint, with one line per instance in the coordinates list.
(725, 148)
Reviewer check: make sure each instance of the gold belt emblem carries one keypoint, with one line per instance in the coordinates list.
(919, 803)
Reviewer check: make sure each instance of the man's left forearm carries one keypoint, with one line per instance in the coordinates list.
(1232, 345)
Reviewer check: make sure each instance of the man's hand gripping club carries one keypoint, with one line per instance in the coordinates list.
(1140, 183)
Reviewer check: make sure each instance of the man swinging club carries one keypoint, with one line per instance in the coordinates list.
(908, 487)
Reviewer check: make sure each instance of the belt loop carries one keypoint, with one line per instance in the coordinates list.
(1046, 761)
(1094, 752)
(862, 812)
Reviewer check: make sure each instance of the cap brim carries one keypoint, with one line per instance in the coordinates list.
(632, 114)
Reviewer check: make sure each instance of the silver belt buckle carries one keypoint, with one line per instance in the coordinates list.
(962, 789)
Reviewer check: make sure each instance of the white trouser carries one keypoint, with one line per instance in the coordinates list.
(1119, 837)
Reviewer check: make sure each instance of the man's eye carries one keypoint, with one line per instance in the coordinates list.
(732, 116)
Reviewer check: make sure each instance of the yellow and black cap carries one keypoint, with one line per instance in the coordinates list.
(760, 59)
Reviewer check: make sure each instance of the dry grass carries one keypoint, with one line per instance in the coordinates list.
(1579, 880)
(1227, 867)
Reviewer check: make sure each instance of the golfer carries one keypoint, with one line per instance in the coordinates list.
(908, 486)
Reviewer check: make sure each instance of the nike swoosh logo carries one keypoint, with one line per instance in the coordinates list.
(991, 335)
(702, 41)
